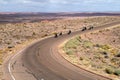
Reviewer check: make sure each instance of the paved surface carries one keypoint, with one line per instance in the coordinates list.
(42, 61)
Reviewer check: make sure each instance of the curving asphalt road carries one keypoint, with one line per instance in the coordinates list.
(42, 61)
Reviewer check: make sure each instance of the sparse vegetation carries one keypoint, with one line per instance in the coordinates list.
(71, 45)
(105, 47)
(99, 54)
(10, 46)
(69, 52)
(113, 71)
(109, 70)
(117, 72)
(118, 55)
(87, 44)
(14, 34)
(44, 35)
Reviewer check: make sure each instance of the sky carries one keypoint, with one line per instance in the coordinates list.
(59, 5)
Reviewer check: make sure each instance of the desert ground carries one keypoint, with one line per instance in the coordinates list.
(15, 36)
(97, 51)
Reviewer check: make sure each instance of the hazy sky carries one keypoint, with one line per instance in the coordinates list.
(59, 5)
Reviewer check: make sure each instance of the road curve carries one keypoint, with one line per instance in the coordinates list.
(42, 61)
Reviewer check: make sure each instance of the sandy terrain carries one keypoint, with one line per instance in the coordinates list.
(13, 37)
(97, 51)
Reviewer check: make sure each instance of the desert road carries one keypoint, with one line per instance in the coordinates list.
(42, 61)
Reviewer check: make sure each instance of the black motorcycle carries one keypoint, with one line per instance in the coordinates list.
(84, 28)
(55, 35)
(69, 32)
(90, 28)
(60, 33)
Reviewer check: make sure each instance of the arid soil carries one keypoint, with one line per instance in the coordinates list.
(97, 51)
(15, 36)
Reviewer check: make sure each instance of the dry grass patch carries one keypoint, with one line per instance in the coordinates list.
(99, 52)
